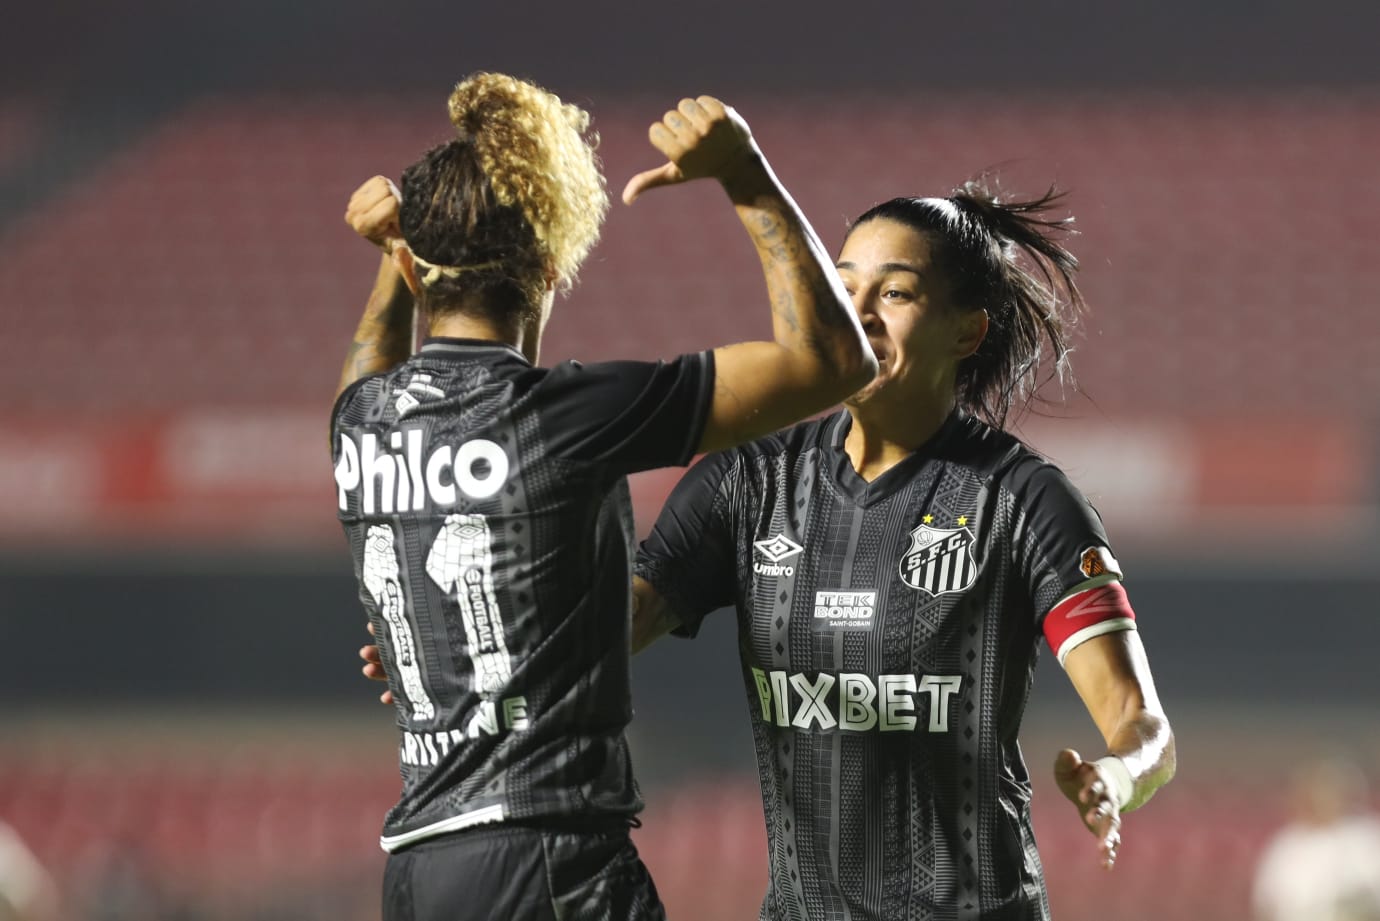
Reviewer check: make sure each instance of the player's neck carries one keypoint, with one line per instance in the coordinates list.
(525, 337)
(882, 436)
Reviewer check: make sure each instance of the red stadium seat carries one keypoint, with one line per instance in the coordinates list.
(1218, 271)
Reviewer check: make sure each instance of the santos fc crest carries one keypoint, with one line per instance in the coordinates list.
(939, 560)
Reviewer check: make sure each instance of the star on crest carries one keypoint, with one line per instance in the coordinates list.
(962, 520)
(928, 519)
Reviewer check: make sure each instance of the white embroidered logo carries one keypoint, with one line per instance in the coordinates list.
(939, 561)
(777, 550)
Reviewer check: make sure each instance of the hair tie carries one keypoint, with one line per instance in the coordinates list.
(435, 273)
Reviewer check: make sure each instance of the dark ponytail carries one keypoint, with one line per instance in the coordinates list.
(451, 218)
(1005, 257)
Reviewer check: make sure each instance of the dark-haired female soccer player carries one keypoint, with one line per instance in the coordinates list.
(893, 567)
(485, 501)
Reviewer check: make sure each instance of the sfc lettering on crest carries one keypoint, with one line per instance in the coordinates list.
(939, 561)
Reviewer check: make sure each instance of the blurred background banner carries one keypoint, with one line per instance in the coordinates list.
(254, 477)
(185, 734)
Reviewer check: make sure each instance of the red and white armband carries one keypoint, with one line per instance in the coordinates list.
(1091, 609)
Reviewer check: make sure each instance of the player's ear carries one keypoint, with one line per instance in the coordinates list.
(972, 329)
(402, 258)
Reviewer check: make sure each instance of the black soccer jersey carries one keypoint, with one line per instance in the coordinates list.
(888, 635)
(486, 504)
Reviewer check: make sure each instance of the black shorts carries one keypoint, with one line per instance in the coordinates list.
(520, 873)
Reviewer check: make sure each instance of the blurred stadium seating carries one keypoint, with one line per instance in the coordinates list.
(257, 822)
(19, 123)
(201, 282)
(1227, 245)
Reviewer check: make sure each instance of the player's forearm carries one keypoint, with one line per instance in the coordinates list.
(1145, 744)
(652, 617)
(812, 316)
(384, 337)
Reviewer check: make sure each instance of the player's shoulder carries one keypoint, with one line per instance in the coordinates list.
(1029, 471)
(758, 460)
(798, 438)
(575, 373)
(437, 378)
(610, 387)
(790, 443)
(1055, 509)
(353, 405)
(988, 452)
(1005, 459)
(572, 396)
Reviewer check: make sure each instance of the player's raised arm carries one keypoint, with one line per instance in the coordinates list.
(384, 337)
(820, 354)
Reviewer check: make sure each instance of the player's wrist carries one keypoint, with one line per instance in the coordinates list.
(1120, 784)
(746, 177)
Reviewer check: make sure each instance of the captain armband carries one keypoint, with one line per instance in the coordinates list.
(1087, 612)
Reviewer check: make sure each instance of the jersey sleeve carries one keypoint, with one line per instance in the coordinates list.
(1066, 559)
(689, 557)
(628, 415)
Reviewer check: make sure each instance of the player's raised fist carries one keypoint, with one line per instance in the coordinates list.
(702, 139)
(373, 212)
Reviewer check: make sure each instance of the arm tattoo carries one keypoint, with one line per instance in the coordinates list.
(812, 318)
(383, 338)
(782, 247)
(725, 394)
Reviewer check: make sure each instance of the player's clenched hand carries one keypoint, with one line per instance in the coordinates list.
(373, 213)
(703, 139)
(373, 665)
(1082, 782)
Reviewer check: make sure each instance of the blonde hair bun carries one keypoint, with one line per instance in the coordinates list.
(538, 154)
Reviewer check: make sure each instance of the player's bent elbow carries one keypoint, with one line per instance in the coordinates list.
(847, 374)
(1162, 755)
(837, 380)
(863, 372)
(1171, 755)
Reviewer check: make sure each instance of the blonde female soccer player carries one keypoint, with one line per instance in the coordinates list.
(484, 495)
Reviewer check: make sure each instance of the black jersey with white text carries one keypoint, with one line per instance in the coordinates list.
(487, 508)
(888, 633)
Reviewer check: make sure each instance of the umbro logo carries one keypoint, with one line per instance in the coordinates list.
(777, 548)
